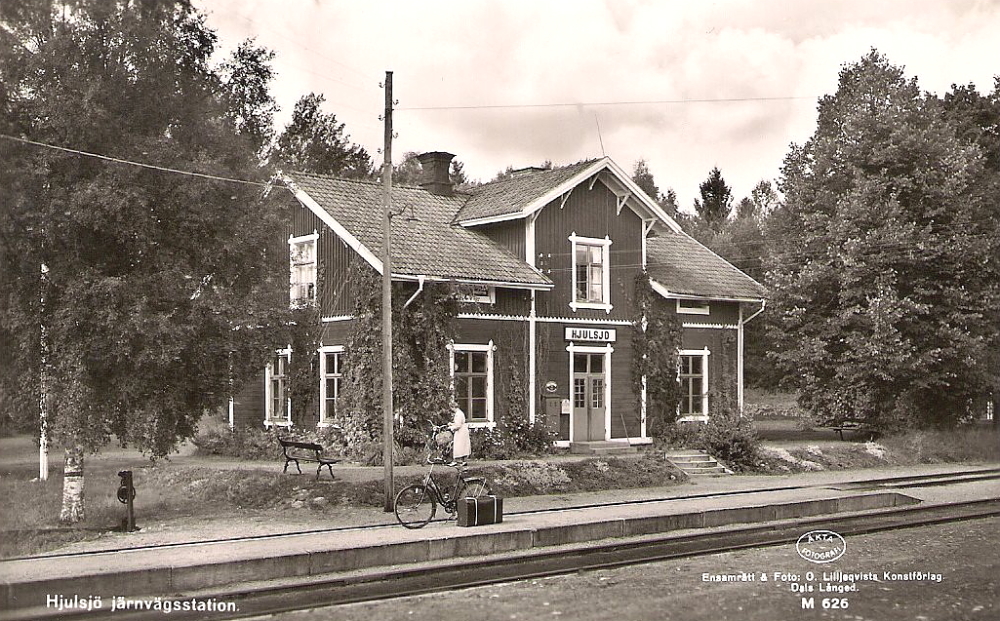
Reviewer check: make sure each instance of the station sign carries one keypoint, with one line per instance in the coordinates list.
(591, 334)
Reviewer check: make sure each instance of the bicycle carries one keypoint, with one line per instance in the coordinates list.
(416, 504)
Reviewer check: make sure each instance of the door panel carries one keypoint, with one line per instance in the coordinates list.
(588, 397)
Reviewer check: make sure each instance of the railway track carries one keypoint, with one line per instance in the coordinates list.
(391, 583)
(927, 480)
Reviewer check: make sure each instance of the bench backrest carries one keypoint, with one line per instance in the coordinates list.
(308, 446)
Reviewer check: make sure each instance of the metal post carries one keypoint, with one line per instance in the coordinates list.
(43, 385)
(387, 413)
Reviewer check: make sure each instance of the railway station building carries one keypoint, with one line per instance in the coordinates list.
(546, 263)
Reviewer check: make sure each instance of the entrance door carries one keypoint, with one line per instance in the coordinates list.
(588, 397)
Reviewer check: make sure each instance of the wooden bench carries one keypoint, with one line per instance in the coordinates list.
(847, 425)
(308, 452)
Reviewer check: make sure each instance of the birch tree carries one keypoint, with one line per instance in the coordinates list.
(157, 284)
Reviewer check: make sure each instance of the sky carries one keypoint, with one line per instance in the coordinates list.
(687, 86)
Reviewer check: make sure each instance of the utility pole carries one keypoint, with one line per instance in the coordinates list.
(387, 413)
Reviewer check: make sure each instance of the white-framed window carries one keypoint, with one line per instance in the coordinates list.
(302, 269)
(472, 381)
(693, 307)
(591, 272)
(477, 293)
(276, 396)
(331, 358)
(692, 372)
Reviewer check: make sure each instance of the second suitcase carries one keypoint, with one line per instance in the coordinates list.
(479, 511)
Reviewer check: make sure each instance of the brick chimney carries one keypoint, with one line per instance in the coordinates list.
(436, 176)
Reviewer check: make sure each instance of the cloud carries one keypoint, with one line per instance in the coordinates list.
(510, 52)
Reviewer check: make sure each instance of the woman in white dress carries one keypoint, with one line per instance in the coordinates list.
(462, 444)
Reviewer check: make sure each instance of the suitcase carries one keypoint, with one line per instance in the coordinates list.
(479, 511)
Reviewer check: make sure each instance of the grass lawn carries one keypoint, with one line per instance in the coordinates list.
(212, 498)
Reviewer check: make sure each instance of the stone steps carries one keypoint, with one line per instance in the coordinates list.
(613, 447)
(697, 463)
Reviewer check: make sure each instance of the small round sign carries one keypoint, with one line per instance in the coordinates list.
(821, 546)
(551, 386)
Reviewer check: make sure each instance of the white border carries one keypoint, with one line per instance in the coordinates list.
(326, 349)
(704, 353)
(292, 241)
(607, 350)
(267, 392)
(605, 245)
(489, 348)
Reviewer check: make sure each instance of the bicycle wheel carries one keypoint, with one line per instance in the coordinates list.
(415, 506)
(474, 487)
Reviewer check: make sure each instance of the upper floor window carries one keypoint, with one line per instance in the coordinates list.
(302, 262)
(591, 273)
(693, 307)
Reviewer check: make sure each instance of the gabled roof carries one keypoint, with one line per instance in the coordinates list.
(682, 266)
(424, 242)
(523, 195)
(511, 196)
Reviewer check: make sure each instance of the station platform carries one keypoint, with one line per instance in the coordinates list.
(529, 523)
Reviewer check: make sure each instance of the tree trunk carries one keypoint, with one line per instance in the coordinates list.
(72, 503)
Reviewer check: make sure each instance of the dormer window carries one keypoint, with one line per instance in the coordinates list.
(302, 265)
(591, 273)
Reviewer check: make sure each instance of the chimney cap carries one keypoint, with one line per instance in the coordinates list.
(436, 174)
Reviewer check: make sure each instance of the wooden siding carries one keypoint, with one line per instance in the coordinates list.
(588, 213)
(723, 377)
(724, 313)
(334, 261)
(516, 302)
(248, 404)
(508, 234)
(553, 366)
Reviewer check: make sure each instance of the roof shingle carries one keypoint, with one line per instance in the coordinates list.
(424, 242)
(684, 266)
(510, 196)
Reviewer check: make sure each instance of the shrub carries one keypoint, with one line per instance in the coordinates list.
(249, 443)
(974, 442)
(514, 437)
(726, 436)
(731, 438)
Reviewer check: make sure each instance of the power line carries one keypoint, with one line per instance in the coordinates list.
(593, 104)
(133, 163)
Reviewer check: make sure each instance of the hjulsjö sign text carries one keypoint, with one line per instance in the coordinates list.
(591, 334)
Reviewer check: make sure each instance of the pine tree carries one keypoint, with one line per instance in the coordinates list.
(716, 200)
